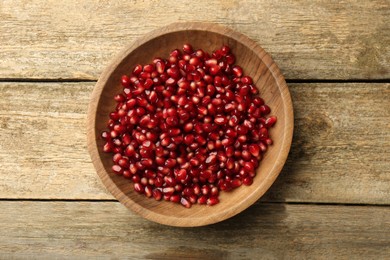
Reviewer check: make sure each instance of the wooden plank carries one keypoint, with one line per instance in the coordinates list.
(272, 231)
(341, 145)
(309, 40)
(340, 151)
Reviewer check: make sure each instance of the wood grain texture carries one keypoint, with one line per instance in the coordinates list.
(340, 151)
(308, 39)
(49, 230)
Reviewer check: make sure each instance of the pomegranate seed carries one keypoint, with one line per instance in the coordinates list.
(138, 187)
(230, 59)
(137, 70)
(187, 127)
(157, 194)
(214, 69)
(212, 201)
(187, 48)
(248, 167)
(125, 81)
(168, 190)
(254, 149)
(247, 181)
(265, 110)
(117, 169)
(202, 200)
(205, 189)
(220, 120)
(175, 198)
(237, 71)
(268, 141)
(235, 183)
(270, 121)
(185, 202)
(246, 80)
(148, 191)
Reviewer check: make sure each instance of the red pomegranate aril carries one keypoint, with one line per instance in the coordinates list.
(148, 83)
(144, 75)
(137, 70)
(200, 140)
(160, 67)
(168, 190)
(202, 200)
(247, 181)
(225, 50)
(173, 73)
(148, 68)
(188, 127)
(179, 188)
(248, 167)
(114, 116)
(205, 189)
(186, 203)
(175, 198)
(119, 98)
(167, 197)
(214, 191)
(263, 147)
(138, 187)
(268, 141)
(265, 110)
(172, 121)
(227, 141)
(187, 191)
(220, 120)
(181, 175)
(214, 69)
(148, 191)
(254, 149)
(187, 48)
(229, 151)
(237, 71)
(269, 122)
(138, 91)
(108, 147)
(124, 163)
(230, 59)
(189, 139)
(246, 80)
(233, 121)
(157, 194)
(116, 158)
(242, 130)
(117, 169)
(193, 128)
(242, 138)
(235, 183)
(170, 163)
(212, 201)
(246, 155)
(125, 81)
(210, 62)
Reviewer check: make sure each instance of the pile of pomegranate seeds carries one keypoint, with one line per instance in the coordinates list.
(188, 127)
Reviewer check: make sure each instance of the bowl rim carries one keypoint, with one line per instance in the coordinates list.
(92, 134)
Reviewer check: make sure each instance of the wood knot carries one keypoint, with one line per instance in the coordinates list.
(314, 126)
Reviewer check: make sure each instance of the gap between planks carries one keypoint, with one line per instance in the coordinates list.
(75, 80)
(258, 202)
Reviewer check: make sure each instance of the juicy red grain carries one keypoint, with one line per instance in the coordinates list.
(188, 127)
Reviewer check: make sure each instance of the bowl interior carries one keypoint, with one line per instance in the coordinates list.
(255, 63)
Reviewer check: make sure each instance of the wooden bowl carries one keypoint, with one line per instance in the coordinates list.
(255, 62)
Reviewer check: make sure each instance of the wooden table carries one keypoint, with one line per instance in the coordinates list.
(332, 199)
